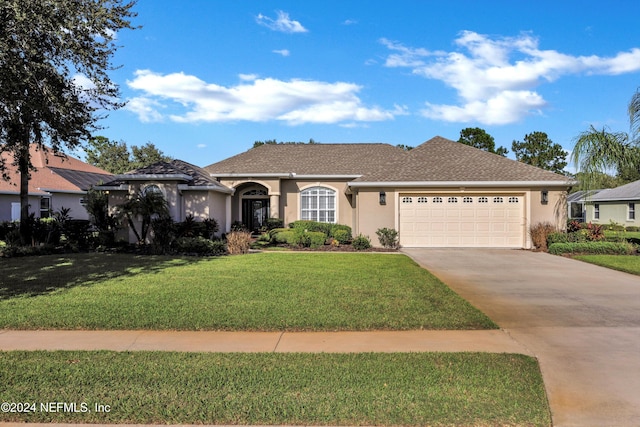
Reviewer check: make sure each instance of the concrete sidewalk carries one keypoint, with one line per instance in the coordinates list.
(492, 341)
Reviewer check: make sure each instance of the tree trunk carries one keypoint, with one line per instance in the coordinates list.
(23, 168)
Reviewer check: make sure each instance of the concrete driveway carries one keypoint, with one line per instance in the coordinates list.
(581, 321)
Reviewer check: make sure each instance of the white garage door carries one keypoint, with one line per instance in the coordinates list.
(462, 221)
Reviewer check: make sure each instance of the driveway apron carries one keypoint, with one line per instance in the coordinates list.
(581, 321)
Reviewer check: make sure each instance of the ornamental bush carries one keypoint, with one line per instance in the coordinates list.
(238, 242)
(593, 248)
(539, 233)
(361, 242)
(200, 245)
(388, 238)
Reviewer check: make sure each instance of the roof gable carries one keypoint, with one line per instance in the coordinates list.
(444, 160)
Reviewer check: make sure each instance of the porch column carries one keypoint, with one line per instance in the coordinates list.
(274, 205)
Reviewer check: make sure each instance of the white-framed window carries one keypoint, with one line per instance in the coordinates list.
(467, 200)
(596, 211)
(513, 200)
(407, 200)
(152, 188)
(437, 200)
(483, 200)
(452, 200)
(498, 200)
(45, 207)
(423, 199)
(631, 211)
(318, 204)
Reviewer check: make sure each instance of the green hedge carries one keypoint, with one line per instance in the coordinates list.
(340, 232)
(595, 248)
(300, 238)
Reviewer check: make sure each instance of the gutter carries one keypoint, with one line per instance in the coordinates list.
(415, 184)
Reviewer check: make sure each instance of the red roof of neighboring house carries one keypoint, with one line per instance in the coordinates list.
(53, 173)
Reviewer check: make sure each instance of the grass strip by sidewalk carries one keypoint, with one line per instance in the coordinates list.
(627, 263)
(258, 292)
(408, 389)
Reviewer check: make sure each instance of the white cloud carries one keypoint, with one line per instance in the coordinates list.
(202, 145)
(495, 78)
(254, 99)
(283, 52)
(282, 23)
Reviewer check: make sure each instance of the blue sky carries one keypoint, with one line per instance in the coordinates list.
(205, 79)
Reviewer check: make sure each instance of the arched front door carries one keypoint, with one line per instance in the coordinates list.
(255, 208)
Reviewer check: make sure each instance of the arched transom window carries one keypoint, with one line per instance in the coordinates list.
(318, 204)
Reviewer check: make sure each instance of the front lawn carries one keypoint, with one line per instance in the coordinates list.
(261, 292)
(626, 263)
(410, 389)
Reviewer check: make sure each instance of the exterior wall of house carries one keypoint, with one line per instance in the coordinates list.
(613, 211)
(290, 199)
(57, 201)
(70, 201)
(206, 204)
(370, 215)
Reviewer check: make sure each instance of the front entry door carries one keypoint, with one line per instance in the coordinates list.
(255, 213)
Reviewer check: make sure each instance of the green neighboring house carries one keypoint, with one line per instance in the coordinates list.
(616, 204)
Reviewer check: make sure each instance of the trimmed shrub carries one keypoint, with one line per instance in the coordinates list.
(342, 236)
(200, 245)
(594, 248)
(539, 233)
(306, 239)
(361, 242)
(632, 228)
(328, 229)
(274, 223)
(388, 238)
(558, 237)
(238, 242)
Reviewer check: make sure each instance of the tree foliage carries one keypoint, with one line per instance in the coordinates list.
(479, 138)
(143, 206)
(600, 151)
(538, 150)
(47, 47)
(117, 158)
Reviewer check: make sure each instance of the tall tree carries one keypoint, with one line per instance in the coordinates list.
(117, 158)
(538, 150)
(146, 155)
(479, 138)
(47, 47)
(109, 155)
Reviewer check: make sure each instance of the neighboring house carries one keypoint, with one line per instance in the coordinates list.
(439, 194)
(577, 204)
(58, 181)
(188, 189)
(615, 204)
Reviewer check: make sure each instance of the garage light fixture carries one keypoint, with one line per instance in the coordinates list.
(544, 197)
(383, 198)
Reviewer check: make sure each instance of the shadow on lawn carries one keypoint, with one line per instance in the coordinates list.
(37, 275)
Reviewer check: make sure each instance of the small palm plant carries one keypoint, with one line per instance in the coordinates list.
(144, 205)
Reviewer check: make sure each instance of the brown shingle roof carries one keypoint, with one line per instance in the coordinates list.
(437, 160)
(309, 159)
(443, 160)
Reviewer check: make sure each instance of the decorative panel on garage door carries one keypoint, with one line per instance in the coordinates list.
(461, 221)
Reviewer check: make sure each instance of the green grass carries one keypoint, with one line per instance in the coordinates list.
(410, 389)
(268, 291)
(626, 263)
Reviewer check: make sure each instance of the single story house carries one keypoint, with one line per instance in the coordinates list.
(615, 204)
(577, 204)
(188, 189)
(58, 181)
(439, 194)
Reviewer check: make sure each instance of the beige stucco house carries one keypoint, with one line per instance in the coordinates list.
(439, 194)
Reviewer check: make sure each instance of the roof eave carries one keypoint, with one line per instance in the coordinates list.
(220, 189)
(413, 184)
